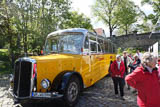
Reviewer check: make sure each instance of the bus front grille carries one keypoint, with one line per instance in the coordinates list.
(22, 78)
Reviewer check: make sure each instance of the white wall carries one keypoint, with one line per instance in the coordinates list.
(155, 48)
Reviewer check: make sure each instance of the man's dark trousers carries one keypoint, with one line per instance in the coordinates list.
(117, 81)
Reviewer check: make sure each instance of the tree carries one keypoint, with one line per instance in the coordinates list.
(104, 10)
(156, 8)
(36, 18)
(75, 20)
(126, 14)
(8, 31)
(26, 23)
(146, 26)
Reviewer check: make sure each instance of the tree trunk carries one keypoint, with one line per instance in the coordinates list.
(110, 32)
(25, 43)
(126, 30)
(110, 29)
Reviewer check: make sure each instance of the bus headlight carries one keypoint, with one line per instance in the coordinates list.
(45, 83)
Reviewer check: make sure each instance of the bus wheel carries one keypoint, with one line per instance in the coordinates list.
(72, 91)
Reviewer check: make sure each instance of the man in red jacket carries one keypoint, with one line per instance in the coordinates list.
(117, 73)
(145, 79)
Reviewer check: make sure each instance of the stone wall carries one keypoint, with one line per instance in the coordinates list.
(136, 40)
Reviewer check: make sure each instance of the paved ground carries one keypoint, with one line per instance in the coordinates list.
(99, 95)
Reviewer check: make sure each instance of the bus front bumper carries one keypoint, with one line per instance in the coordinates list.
(38, 95)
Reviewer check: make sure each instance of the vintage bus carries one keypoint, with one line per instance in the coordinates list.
(73, 59)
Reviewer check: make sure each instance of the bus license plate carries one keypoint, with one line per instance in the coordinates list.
(46, 95)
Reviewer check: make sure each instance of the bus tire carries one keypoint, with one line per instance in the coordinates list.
(72, 91)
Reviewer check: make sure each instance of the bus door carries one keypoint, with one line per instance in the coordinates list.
(101, 59)
(86, 66)
(95, 63)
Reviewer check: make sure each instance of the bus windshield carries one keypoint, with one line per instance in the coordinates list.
(64, 43)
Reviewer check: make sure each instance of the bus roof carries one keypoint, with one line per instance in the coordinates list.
(82, 30)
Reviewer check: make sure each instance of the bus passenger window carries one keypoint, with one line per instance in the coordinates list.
(93, 47)
(101, 43)
(114, 49)
(110, 47)
(106, 45)
(99, 48)
(86, 43)
(86, 46)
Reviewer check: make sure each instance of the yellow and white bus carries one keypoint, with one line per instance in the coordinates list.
(73, 59)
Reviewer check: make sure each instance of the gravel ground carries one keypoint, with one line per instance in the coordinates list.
(99, 95)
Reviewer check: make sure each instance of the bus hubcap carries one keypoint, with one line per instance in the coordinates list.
(72, 91)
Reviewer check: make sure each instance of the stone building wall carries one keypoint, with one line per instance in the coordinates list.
(136, 40)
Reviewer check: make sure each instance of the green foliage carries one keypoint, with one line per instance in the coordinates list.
(126, 14)
(156, 8)
(4, 62)
(129, 50)
(104, 10)
(119, 51)
(24, 24)
(119, 14)
(4, 54)
(75, 20)
(144, 27)
(153, 18)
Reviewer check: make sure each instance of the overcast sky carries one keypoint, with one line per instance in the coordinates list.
(84, 6)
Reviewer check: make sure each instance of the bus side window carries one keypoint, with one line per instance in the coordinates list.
(86, 43)
(101, 45)
(93, 47)
(114, 48)
(99, 49)
(110, 47)
(106, 46)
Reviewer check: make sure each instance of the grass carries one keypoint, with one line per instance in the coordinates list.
(5, 67)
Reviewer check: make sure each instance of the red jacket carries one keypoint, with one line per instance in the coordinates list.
(147, 85)
(117, 72)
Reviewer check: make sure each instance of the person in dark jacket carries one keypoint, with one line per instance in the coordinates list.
(117, 73)
(126, 60)
(135, 64)
(145, 79)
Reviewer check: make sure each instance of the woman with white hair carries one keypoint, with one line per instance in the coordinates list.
(117, 73)
(145, 80)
